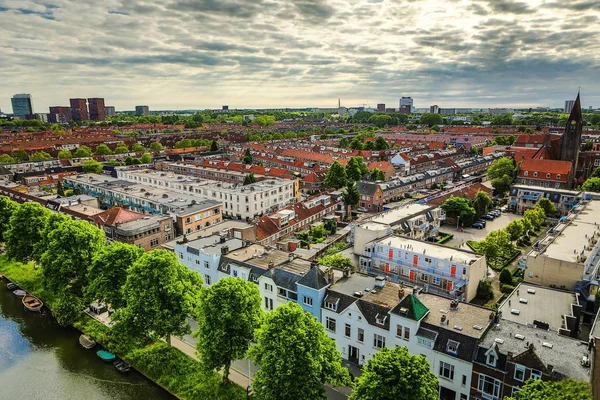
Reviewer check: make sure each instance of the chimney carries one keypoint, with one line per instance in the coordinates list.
(380, 281)
(222, 239)
(491, 318)
(224, 250)
(509, 355)
(271, 265)
(443, 320)
(400, 293)
(290, 257)
(331, 276)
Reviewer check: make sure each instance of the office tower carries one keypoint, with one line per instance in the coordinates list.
(109, 111)
(225, 108)
(434, 109)
(79, 110)
(569, 106)
(142, 110)
(381, 107)
(406, 102)
(59, 115)
(96, 106)
(22, 105)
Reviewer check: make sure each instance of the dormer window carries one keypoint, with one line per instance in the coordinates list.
(526, 173)
(535, 174)
(380, 319)
(557, 176)
(491, 359)
(331, 304)
(548, 175)
(452, 347)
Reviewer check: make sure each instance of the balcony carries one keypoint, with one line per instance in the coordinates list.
(380, 265)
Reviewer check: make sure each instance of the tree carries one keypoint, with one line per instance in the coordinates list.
(495, 245)
(247, 159)
(369, 145)
(160, 293)
(65, 154)
(108, 273)
(7, 208)
(103, 150)
(356, 144)
(214, 146)
(381, 144)
(459, 207)
(515, 229)
(431, 119)
(566, 389)
(228, 313)
(502, 184)
(547, 205)
(351, 196)
(71, 247)
(435, 128)
(25, 230)
(395, 374)
(501, 167)
(318, 232)
(6, 159)
(591, 185)
(53, 221)
(146, 158)
(156, 146)
(57, 129)
(527, 226)
(92, 167)
(506, 277)
(535, 216)
(336, 261)
(336, 176)
(120, 149)
(353, 170)
(481, 203)
(82, 151)
(311, 358)
(377, 174)
(344, 142)
(249, 179)
(138, 148)
(128, 160)
(40, 156)
(20, 155)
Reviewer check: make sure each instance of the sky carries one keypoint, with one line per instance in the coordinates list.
(196, 54)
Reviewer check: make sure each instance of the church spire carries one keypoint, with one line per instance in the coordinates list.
(576, 116)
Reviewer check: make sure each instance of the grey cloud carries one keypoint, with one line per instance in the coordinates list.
(314, 8)
(508, 6)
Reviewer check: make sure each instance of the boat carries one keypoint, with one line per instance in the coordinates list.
(106, 355)
(19, 292)
(32, 303)
(12, 286)
(122, 366)
(86, 341)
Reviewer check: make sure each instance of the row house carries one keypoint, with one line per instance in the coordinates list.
(425, 162)
(546, 173)
(47, 180)
(446, 271)
(475, 165)
(223, 170)
(523, 198)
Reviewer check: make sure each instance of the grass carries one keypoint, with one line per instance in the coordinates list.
(178, 373)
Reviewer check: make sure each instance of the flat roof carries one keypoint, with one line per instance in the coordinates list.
(441, 252)
(394, 215)
(547, 189)
(213, 244)
(355, 283)
(467, 319)
(546, 305)
(208, 231)
(84, 209)
(374, 226)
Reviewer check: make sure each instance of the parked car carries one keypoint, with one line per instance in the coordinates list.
(477, 225)
(362, 209)
(488, 217)
(482, 222)
(495, 213)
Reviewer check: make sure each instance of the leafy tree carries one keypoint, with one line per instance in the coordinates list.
(344, 142)
(356, 144)
(506, 277)
(395, 374)
(501, 167)
(377, 174)
(6, 159)
(138, 148)
(515, 229)
(336, 176)
(82, 151)
(40, 156)
(546, 205)
(369, 145)
(481, 203)
(459, 207)
(108, 273)
(431, 119)
(103, 150)
(336, 261)
(92, 167)
(596, 173)
(146, 158)
(249, 179)
(351, 196)
(527, 225)
(353, 171)
(247, 159)
(591, 185)
(156, 146)
(214, 146)
(485, 291)
(53, 221)
(311, 359)
(120, 149)
(25, 230)
(435, 128)
(535, 216)
(381, 144)
(64, 154)
(228, 313)
(7, 208)
(160, 293)
(566, 389)
(502, 119)
(20, 155)
(68, 308)
(57, 129)
(502, 184)
(129, 160)
(495, 245)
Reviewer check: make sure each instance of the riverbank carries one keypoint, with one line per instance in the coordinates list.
(171, 369)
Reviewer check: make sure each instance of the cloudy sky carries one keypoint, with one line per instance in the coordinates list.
(179, 54)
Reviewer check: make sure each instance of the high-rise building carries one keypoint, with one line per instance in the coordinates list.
(79, 110)
(571, 139)
(406, 101)
(569, 106)
(434, 109)
(142, 110)
(381, 107)
(22, 105)
(96, 106)
(110, 111)
(59, 115)
(225, 108)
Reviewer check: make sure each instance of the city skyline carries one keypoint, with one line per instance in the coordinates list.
(204, 54)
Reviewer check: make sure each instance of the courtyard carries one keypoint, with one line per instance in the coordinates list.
(460, 238)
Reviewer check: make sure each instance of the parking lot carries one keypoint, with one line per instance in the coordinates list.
(460, 238)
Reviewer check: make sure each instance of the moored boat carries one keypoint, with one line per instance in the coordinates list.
(122, 366)
(12, 286)
(106, 355)
(32, 303)
(19, 292)
(86, 341)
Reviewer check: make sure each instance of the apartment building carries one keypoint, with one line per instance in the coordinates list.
(442, 270)
(523, 198)
(197, 216)
(546, 173)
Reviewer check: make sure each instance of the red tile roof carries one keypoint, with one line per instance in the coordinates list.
(116, 215)
(544, 167)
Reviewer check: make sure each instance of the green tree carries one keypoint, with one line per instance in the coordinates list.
(527, 226)
(535, 216)
(92, 167)
(26, 225)
(64, 154)
(146, 158)
(247, 159)
(20, 155)
(377, 174)
(502, 184)
(506, 277)
(481, 203)
(351, 197)
(336, 176)
(547, 205)
(7, 208)
(249, 179)
(40, 156)
(53, 221)
(57, 129)
(435, 128)
(6, 159)
(214, 146)
(353, 171)
(120, 149)
(336, 261)
(344, 142)
(459, 207)
(311, 359)
(160, 293)
(395, 374)
(431, 119)
(515, 229)
(138, 148)
(591, 185)
(356, 144)
(501, 167)
(128, 160)
(82, 151)
(566, 389)
(381, 144)
(103, 150)
(156, 146)
(369, 145)
(228, 313)
(108, 273)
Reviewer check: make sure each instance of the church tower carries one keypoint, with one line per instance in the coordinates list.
(571, 139)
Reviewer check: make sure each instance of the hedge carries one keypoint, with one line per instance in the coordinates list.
(447, 237)
(504, 288)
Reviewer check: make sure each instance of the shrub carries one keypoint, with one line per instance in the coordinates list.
(507, 288)
(506, 277)
(485, 291)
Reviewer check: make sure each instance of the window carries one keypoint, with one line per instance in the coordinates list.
(406, 333)
(446, 370)
(526, 173)
(378, 341)
(268, 304)
(548, 175)
(361, 335)
(308, 301)
(463, 396)
(207, 279)
(268, 287)
(464, 380)
(557, 176)
(282, 292)
(535, 174)
(399, 330)
(154, 242)
(488, 386)
(424, 342)
(520, 373)
(206, 265)
(491, 359)
(452, 347)
(380, 319)
(331, 304)
(197, 217)
(347, 330)
(330, 324)
(535, 374)
(197, 262)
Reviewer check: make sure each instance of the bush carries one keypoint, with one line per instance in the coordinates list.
(485, 291)
(508, 289)
(506, 277)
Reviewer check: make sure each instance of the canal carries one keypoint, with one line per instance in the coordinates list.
(39, 360)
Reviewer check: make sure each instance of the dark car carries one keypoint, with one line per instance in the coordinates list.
(482, 222)
(477, 225)
(489, 217)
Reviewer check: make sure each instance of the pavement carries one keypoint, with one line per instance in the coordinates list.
(460, 238)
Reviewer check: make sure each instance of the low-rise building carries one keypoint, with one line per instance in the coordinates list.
(197, 216)
(546, 173)
(523, 198)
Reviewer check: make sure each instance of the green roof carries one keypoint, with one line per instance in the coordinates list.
(411, 307)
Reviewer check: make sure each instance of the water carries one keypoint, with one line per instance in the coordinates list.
(41, 360)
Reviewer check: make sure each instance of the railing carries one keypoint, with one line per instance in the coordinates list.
(377, 262)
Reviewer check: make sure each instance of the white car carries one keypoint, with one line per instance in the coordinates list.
(362, 209)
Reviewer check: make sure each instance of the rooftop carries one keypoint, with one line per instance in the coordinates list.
(220, 228)
(214, 243)
(393, 216)
(141, 224)
(441, 252)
